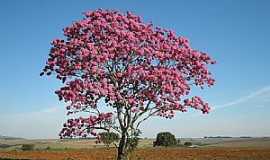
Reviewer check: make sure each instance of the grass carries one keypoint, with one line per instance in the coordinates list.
(75, 144)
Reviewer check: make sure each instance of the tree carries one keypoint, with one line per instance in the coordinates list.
(108, 138)
(28, 147)
(165, 139)
(188, 144)
(121, 72)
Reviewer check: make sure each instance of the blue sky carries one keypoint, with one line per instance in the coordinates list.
(236, 34)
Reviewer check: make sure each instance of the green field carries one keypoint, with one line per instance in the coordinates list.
(57, 144)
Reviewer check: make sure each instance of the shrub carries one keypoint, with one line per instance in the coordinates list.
(28, 147)
(188, 144)
(165, 139)
(5, 145)
(108, 138)
(178, 141)
(133, 143)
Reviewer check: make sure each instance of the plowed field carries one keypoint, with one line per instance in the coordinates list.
(214, 153)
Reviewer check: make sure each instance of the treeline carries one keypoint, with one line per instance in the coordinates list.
(226, 137)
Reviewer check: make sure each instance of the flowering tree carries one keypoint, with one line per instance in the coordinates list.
(114, 62)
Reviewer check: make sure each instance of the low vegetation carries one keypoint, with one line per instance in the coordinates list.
(109, 138)
(28, 147)
(79, 149)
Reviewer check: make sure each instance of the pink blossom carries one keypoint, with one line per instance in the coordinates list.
(114, 57)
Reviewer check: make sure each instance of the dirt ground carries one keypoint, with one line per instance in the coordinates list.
(212, 153)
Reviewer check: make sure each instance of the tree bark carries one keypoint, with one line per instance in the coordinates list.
(122, 148)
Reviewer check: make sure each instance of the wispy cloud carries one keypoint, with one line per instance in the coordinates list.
(259, 99)
(249, 97)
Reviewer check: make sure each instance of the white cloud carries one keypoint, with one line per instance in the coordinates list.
(263, 94)
(258, 99)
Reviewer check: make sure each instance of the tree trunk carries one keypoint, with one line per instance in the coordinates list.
(122, 148)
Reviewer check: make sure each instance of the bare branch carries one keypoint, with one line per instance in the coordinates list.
(150, 115)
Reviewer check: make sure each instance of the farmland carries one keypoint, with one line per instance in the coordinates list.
(207, 149)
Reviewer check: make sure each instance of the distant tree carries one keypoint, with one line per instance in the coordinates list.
(108, 138)
(188, 144)
(136, 69)
(165, 139)
(28, 147)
